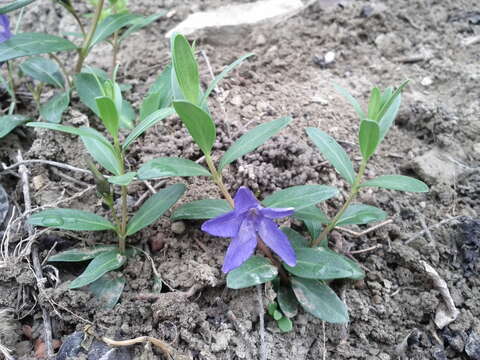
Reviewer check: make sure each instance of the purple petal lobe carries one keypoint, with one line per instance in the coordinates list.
(225, 225)
(276, 240)
(244, 200)
(275, 213)
(241, 247)
(5, 33)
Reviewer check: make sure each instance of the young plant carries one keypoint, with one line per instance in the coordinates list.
(111, 155)
(106, 24)
(303, 270)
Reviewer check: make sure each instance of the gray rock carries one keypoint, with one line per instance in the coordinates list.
(72, 348)
(436, 166)
(472, 346)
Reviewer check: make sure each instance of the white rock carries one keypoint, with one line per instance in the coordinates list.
(233, 15)
(329, 57)
(427, 81)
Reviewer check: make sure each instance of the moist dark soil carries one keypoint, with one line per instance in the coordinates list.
(436, 138)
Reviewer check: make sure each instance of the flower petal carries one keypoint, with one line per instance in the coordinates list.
(5, 33)
(275, 213)
(244, 200)
(225, 225)
(276, 240)
(241, 248)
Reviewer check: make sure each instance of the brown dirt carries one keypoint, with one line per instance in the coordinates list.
(397, 300)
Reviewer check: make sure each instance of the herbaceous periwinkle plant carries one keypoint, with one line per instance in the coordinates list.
(299, 269)
(111, 22)
(111, 156)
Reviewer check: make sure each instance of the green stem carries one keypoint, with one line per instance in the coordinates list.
(84, 50)
(124, 204)
(11, 84)
(115, 50)
(353, 193)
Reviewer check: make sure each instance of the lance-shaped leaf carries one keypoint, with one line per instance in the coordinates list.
(201, 209)
(199, 124)
(319, 300)
(54, 108)
(252, 140)
(374, 104)
(220, 76)
(333, 152)
(386, 105)
(70, 219)
(287, 301)
(140, 23)
(163, 86)
(43, 70)
(323, 264)
(299, 197)
(102, 151)
(387, 120)
(108, 114)
(186, 69)
(155, 207)
(285, 324)
(397, 182)
(27, 44)
(166, 167)
(108, 289)
(99, 266)
(256, 270)
(296, 239)
(88, 87)
(14, 5)
(314, 229)
(150, 104)
(361, 214)
(368, 137)
(312, 213)
(10, 122)
(111, 24)
(83, 254)
(146, 124)
(351, 100)
(124, 179)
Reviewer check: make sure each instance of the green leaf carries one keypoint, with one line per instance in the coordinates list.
(312, 213)
(186, 69)
(361, 214)
(299, 197)
(296, 239)
(150, 104)
(139, 24)
(111, 24)
(277, 315)
(374, 104)
(43, 70)
(78, 255)
(166, 167)
(285, 324)
(220, 76)
(388, 103)
(319, 300)
(88, 89)
(27, 44)
(163, 85)
(256, 270)
(397, 182)
(146, 124)
(10, 122)
(102, 151)
(368, 137)
(201, 209)
(54, 108)
(127, 115)
(287, 301)
(271, 308)
(351, 100)
(387, 120)
(108, 289)
(333, 152)
(14, 5)
(314, 229)
(99, 266)
(122, 180)
(70, 219)
(323, 264)
(155, 207)
(199, 124)
(108, 114)
(252, 140)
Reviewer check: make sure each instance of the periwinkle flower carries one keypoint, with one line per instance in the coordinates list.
(5, 33)
(244, 224)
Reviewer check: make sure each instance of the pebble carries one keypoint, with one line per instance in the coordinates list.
(476, 148)
(427, 81)
(178, 227)
(377, 299)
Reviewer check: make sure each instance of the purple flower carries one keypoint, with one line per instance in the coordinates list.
(5, 33)
(247, 221)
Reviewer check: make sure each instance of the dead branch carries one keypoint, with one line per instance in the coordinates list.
(421, 233)
(46, 162)
(364, 232)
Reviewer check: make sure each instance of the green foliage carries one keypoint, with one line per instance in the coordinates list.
(70, 219)
(361, 214)
(108, 289)
(256, 270)
(368, 137)
(79, 255)
(54, 108)
(186, 70)
(166, 167)
(15, 5)
(10, 122)
(111, 24)
(299, 197)
(108, 114)
(201, 209)
(396, 182)
(43, 70)
(287, 301)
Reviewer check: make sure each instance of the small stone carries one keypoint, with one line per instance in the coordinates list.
(377, 299)
(261, 40)
(39, 182)
(476, 148)
(427, 81)
(178, 227)
(329, 57)
(236, 100)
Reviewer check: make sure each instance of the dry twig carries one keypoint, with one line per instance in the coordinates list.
(46, 162)
(421, 233)
(364, 232)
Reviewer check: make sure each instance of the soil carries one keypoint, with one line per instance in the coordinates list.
(392, 310)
